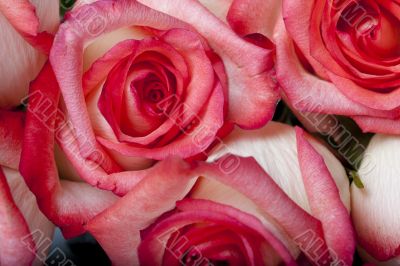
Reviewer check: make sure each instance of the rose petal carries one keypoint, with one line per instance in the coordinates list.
(152, 249)
(264, 15)
(18, 248)
(22, 62)
(187, 144)
(263, 191)
(323, 195)
(22, 16)
(209, 207)
(371, 99)
(82, 25)
(378, 125)
(296, 15)
(251, 86)
(11, 132)
(315, 95)
(40, 228)
(376, 222)
(274, 147)
(67, 204)
(218, 8)
(101, 67)
(138, 209)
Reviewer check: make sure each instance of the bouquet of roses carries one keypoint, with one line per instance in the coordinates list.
(200, 132)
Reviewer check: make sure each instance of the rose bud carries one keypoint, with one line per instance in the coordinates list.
(25, 232)
(24, 41)
(333, 57)
(287, 203)
(375, 218)
(128, 86)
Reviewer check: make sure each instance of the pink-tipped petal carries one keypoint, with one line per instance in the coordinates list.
(306, 92)
(380, 101)
(23, 17)
(325, 203)
(22, 61)
(192, 205)
(17, 246)
(67, 204)
(150, 198)
(40, 228)
(378, 125)
(80, 27)
(248, 66)
(274, 147)
(264, 15)
(248, 178)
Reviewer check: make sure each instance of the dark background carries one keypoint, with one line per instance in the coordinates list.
(82, 251)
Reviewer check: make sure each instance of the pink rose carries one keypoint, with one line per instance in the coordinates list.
(287, 203)
(23, 228)
(23, 44)
(347, 60)
(374, 208)
(137, 86)
(335, 56)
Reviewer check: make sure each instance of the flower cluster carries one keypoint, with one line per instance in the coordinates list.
(148, 124)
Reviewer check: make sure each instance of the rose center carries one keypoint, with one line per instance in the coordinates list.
(372, 29)
(358, 18)
(367, 26)
(155, 95)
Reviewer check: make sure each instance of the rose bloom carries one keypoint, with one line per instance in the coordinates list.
(278, 197)
(335, 56)
(374, 209)
(137, 86)
(24, 43)
(24, 230)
